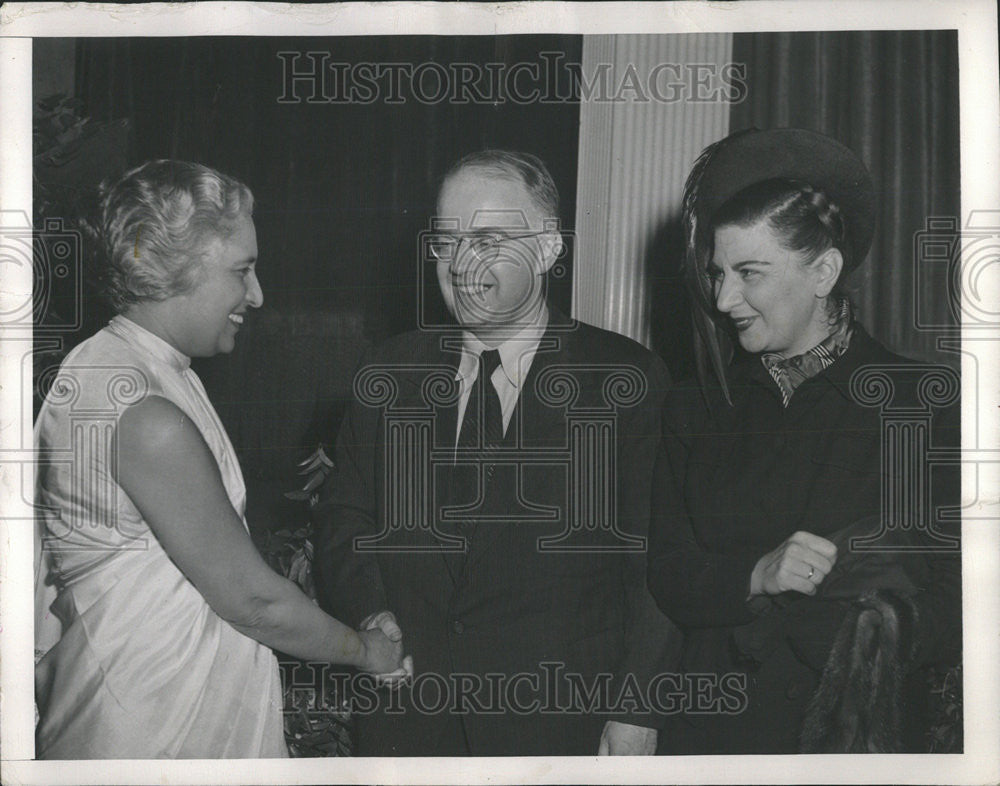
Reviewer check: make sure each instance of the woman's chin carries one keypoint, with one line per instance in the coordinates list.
(750, 344)
(224, 346)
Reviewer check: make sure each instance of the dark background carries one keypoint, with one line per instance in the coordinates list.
(343, 190)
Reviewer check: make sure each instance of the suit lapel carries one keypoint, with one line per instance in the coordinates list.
(446, 424)
(439, 354)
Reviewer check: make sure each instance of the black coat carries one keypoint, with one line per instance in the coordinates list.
(731, 484)
(511, 604)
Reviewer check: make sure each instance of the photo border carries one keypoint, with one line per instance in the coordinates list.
(976, 22)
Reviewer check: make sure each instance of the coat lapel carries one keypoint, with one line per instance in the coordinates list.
(440, 354)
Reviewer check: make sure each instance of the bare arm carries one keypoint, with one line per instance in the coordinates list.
(169, 473)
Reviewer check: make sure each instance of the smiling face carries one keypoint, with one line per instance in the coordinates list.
(494, 293)
(205, 319)
(775, 298)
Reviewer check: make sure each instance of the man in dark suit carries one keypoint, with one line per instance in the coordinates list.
(491, 499)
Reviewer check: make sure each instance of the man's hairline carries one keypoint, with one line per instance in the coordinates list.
(498, 174)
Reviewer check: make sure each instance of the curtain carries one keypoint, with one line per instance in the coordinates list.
(892, 97)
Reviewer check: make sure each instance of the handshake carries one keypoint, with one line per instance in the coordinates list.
(382, 650)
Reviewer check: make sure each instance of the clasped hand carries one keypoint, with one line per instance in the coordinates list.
(383, 642)
(800, 564)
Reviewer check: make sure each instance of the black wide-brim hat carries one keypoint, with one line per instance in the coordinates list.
(749, 157)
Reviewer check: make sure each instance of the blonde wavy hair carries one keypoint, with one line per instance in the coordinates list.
(156, 224)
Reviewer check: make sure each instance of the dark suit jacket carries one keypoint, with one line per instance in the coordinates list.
(535, 595)
(732, 483)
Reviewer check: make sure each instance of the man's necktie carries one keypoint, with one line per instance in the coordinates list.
(482, 426)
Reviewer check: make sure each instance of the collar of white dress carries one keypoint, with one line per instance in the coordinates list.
(135, 334)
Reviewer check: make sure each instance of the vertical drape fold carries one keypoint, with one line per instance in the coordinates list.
(891, 96)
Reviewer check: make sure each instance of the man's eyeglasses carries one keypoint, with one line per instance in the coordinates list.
(485, 245)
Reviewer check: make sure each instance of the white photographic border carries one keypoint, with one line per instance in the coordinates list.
(979, 101)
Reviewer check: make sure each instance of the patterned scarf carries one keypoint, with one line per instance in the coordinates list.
(789, 373)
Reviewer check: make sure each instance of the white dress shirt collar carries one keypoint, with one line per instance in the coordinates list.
(516, 353)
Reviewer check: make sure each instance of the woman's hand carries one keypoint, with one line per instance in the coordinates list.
(379, 653)
(800, 563)
(386, 622)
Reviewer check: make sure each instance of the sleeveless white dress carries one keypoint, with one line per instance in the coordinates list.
(136, 664)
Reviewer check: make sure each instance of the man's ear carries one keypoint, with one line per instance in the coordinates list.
(827, 266)
(552, 247)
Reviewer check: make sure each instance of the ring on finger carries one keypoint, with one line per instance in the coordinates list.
(812, 571)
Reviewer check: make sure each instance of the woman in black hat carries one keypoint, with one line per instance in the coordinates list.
(807, 611)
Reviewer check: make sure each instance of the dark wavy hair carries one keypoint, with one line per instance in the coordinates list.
(804, 219)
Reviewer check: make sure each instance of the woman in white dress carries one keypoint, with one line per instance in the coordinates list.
(158, 642)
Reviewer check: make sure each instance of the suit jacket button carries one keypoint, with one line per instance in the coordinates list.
(458, 626)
